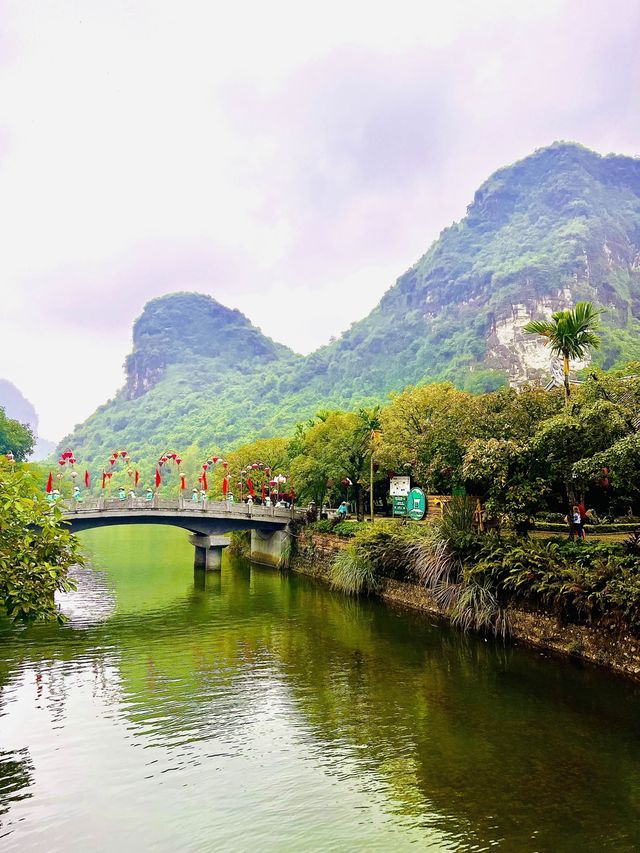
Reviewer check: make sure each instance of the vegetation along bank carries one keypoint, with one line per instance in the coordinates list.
(581, 600)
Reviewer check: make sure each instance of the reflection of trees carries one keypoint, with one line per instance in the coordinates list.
(470, 741)
(16, 776)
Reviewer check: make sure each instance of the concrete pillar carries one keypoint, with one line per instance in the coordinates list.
(268, 548)
(207, 581)
(208, 551)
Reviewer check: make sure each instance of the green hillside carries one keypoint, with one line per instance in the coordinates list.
(559, 226)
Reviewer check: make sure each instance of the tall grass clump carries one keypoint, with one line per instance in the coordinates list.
(287, 553)
(442, 562)
(353, 573)
(240, 543)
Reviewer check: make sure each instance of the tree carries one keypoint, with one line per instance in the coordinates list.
(273, 453)
(503, 469)
(36, 551)
(425, 430)
(15, 438)
(371, 424)
(333, 450)
(565, 439)
(571, 334)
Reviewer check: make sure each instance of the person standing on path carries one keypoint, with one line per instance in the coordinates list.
(577, 522)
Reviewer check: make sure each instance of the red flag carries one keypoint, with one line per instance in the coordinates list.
(204, 482)
(250, 486)
(158, 479)
(263, 493)
(182, 483)
(86, 479)
(104, 479)
(50, 483)
(137, 477)
(225, 486)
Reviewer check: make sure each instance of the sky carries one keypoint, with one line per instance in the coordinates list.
(289, 159)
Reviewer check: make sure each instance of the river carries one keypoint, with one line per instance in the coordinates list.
(249, 710)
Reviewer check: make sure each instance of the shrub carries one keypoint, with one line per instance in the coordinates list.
(346, 529)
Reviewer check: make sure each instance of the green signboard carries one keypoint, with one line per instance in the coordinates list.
(399, 505)
(416, 504)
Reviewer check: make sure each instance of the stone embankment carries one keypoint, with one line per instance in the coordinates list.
(597, 644)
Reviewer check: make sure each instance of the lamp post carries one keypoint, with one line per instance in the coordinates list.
(375, 437)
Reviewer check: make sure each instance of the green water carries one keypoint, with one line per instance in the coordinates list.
(254, 711)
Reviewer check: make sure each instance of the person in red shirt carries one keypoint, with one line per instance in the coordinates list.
(583, 515)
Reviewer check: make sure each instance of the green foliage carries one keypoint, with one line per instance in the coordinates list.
(571, 332)
(352, 573)
(15, 438)
(561, 527)
(240, 543)
(345, 529)
(36, 550)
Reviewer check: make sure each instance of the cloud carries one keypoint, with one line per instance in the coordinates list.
(290, 163)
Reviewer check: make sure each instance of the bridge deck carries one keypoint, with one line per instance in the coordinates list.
(208, 517)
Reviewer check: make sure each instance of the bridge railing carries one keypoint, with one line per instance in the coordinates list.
(180, 505)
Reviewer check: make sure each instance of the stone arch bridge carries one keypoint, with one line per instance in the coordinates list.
(207, 522)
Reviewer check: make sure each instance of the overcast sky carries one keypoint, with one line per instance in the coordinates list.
(292, 160)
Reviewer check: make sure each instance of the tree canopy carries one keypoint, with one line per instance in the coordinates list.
(36, 549)
(15, 438)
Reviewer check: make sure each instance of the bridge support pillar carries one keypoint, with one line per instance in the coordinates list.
(268, 548)
(208, 551)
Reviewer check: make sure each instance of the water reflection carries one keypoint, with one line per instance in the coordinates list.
(250, 708)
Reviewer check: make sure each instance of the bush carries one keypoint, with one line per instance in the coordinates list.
(555, 517)
(346, 529)
(590, 528)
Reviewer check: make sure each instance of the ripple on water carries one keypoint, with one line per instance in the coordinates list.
(250, 710)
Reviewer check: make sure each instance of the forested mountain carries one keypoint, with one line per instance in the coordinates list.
(559, 226)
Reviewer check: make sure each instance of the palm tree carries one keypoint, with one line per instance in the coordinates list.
(571, 334)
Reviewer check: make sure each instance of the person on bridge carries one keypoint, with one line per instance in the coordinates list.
(194, 495)
(132, 493)
(149, 494)
(203, 496)
(121, 493)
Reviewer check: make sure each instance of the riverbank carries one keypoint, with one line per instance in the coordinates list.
(597, 644)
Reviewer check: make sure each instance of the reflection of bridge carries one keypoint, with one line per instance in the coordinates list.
(207, 522)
